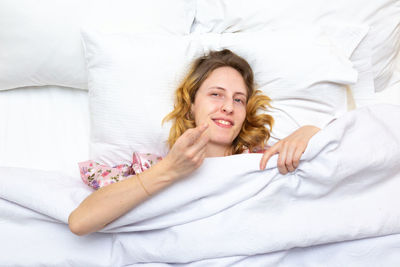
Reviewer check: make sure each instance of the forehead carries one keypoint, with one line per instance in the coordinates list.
(227, 78)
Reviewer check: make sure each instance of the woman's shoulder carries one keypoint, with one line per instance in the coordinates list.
(256, 150)
(97, 175)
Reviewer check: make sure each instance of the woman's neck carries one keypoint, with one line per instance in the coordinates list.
(213, 151)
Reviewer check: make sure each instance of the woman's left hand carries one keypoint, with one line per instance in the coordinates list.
(290, 149)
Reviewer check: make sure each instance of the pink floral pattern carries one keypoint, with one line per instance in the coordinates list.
(96, 175)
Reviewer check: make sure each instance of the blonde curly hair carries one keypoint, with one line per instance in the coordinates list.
(253, 133)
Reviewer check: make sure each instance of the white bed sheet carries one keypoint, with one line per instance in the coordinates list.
(44, 128)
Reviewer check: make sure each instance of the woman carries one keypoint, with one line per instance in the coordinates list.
(215, 114)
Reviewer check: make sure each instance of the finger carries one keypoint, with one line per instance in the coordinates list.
(193, 134)
(199, 158)
(194, 152)
(197, 148)
(268, 154)
(289, 158)
(296, 158)
(201, 142)
(264, 160)
(202, 156)
(282, 159)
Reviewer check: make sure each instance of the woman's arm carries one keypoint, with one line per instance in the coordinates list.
(290, 149)
(109, 203)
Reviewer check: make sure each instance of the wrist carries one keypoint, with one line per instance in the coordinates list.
(157, 177)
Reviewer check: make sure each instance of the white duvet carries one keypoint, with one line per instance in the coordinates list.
(339, 208)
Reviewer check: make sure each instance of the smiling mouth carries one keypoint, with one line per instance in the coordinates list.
(223, 123)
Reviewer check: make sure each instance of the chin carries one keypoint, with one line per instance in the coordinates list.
(222, 141)
(222, 138)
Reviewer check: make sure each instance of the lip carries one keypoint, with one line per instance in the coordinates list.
(223, 125)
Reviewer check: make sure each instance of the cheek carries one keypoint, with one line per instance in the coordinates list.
(198, 114)
(242, 115)
(203, 109)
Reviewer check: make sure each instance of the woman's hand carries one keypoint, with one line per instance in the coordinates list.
(188, 152)
(290, 149)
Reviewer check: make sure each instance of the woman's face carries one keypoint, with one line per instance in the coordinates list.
(221, 103)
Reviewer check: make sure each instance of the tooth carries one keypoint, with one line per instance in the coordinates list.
(224, 122)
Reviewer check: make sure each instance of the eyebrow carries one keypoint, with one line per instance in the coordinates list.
(222, 88)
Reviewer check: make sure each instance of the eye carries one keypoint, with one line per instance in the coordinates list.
(239, 100)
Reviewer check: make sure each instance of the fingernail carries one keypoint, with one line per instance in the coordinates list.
(205, 125)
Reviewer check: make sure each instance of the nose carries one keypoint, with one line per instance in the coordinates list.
(227, 107)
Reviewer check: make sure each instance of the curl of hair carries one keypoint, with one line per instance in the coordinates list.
(253, 133)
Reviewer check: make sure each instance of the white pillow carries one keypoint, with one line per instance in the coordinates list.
(381, 16)
(41, 44)
(44, 128)
(301, 70)
(363, 91)
(132, 80)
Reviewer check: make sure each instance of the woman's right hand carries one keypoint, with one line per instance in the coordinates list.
(188, 152)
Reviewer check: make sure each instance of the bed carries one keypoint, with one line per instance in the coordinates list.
(89, 79)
